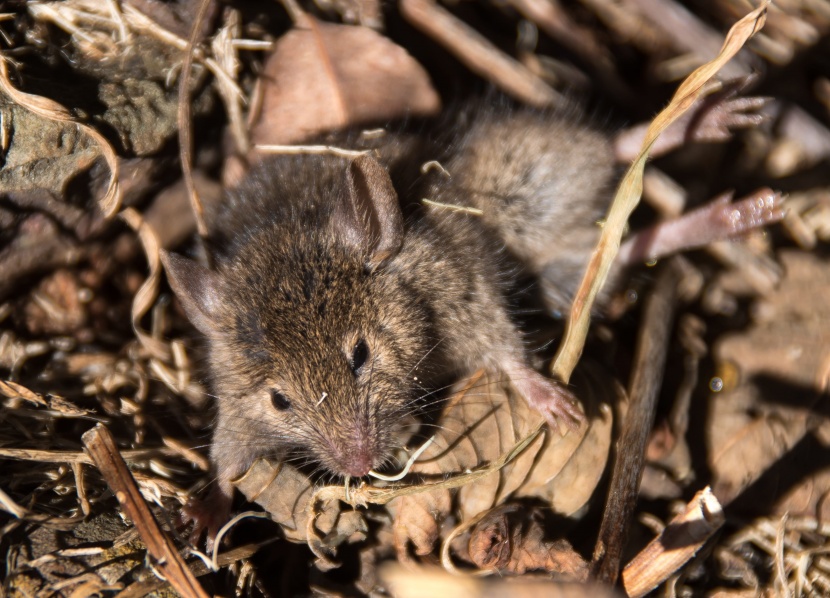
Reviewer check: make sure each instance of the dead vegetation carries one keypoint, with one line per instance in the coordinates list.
(707, 444)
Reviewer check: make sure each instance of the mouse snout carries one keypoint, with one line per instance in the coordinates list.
(356, 455)
(358, 463)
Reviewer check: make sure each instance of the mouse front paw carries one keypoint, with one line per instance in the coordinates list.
(207, 515)
(550, 398)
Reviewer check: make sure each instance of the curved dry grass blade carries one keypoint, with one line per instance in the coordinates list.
(631, 188)
(51, 110)
(146, 295)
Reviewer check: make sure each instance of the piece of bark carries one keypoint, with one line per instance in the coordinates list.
(675, 546)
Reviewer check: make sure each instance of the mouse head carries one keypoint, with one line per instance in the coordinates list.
(315, 339)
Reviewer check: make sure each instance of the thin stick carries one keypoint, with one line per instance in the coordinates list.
(649, 362)
(101, 446)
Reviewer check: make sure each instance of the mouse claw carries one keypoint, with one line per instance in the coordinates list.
(207, 516)
(550, 398)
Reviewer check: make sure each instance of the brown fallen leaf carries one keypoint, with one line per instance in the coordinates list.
(282, 491)
(511, 539)
(322, 77)
(486, 419)
(286, 494)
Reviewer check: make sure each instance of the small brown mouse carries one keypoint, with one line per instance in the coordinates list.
(337, 296)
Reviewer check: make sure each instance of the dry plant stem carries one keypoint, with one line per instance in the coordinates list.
(630, 189)
(140, 23)
(73, 457)
(328, 150)
(679, 542)
(549, 16)
(380, 496)
(184, 121)
(649, 361)
(226, 54)
(58, 523)
(101, 446)
(475, 51)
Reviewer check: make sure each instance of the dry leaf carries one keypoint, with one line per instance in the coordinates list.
(324, 77)
(417, 521)
(511, 539)
(282, 491)
(16, 391)
(486, 419)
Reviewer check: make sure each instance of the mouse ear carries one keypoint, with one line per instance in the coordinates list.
(369, 216)
(197, 289)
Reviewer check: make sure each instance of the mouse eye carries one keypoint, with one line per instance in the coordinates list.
(359, 356)
(279, 400)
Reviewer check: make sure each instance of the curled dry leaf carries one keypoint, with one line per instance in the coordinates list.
(146, 295)
(511, 539)
(323, 77)
(288, 497)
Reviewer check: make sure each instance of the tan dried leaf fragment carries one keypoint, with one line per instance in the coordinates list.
(282, 491)
(323, 77)
(510, 539)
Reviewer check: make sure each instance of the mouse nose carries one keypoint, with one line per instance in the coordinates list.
(358, 463)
